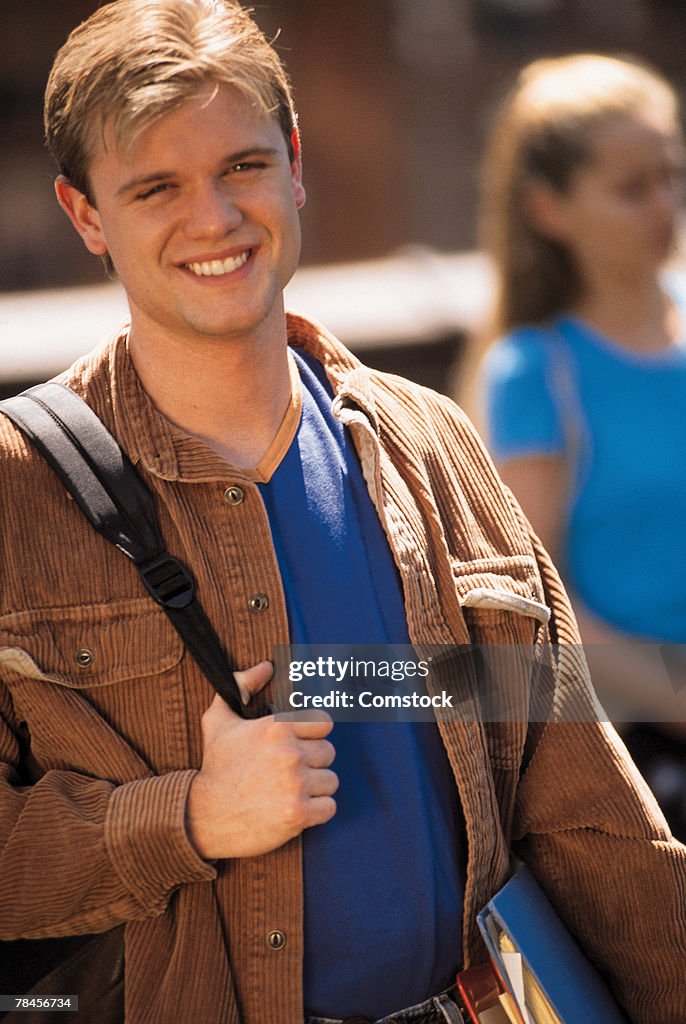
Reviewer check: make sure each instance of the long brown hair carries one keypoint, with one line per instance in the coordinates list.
(542, 135)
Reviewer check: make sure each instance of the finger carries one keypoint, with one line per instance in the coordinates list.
(319, 753)
(323, 782)
(313, 729)
(320, 809)
(251, 680)
(217, 714)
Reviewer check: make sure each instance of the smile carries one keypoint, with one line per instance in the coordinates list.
(215, 268)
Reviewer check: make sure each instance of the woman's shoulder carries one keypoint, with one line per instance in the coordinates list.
(674, 281)
(520, 394)
(524, 352)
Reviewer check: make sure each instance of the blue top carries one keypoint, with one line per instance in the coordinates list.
(384, 878)
(620, 419)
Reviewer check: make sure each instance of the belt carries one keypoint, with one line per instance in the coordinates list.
(440, 1009)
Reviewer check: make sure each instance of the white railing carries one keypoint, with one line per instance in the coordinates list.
(412, 296)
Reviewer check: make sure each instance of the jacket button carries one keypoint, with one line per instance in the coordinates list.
(83, 657)
(258, 603)
(276, 939)
(233, 495)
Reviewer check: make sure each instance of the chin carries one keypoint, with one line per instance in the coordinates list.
(226, 329)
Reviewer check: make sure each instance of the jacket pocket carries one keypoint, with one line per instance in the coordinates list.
(85, 647)
(506, 617)
(501, 599)
(89, 681)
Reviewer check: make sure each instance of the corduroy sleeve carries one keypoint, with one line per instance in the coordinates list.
(588, 826)
(80, 855)
(584, 819)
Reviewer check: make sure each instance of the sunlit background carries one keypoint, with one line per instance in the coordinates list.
(395, 98)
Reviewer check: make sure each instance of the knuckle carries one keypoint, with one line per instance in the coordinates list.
(330, 752)
(290, 758)
(328, 808)
(293, 788)
(278, 731)
(294, 813)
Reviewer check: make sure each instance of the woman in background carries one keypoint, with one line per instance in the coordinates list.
(585, 391)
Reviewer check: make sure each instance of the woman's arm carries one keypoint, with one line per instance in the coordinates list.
(629, 673)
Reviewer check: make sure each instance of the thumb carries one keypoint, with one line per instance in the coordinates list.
(251, 680)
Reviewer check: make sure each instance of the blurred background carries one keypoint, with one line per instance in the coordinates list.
(395, 99)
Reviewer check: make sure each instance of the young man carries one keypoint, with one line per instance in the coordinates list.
(316, 502)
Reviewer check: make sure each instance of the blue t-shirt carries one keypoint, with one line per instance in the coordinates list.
(619, 418)
(384, 878)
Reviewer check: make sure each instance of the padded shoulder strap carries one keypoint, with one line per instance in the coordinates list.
(113, 497)
(91, 465)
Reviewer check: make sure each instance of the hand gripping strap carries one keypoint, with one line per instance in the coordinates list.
(111, 494)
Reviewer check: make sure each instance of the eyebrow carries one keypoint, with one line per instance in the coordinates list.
(159, 176)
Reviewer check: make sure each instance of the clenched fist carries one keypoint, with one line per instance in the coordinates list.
(262, 781)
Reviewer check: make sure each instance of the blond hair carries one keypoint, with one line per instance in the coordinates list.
(133, 61)
(542, 136)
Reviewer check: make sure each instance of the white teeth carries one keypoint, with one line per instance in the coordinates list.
(215, 268)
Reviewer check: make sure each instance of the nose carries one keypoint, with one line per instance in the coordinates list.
(212, 212)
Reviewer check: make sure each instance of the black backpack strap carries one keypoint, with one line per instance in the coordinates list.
(113, 497)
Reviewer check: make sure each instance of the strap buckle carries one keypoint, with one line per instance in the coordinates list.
(168, 581)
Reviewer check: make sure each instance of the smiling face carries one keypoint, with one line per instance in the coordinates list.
(619, 211)
(199, 217)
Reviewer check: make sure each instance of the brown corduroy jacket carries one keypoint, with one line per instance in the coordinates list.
(100, 732)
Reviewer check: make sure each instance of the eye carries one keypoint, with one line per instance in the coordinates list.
(154, 191)
(246, 165)
(636, 188)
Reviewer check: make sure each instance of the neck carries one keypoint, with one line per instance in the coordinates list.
(634, 311)
(232, 395)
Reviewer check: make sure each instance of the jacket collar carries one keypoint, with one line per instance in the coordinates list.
(167, 452)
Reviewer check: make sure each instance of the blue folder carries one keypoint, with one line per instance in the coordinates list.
(571, 985)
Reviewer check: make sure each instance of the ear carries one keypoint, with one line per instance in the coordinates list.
(297, 171)
(545, 209)
(83, 216)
